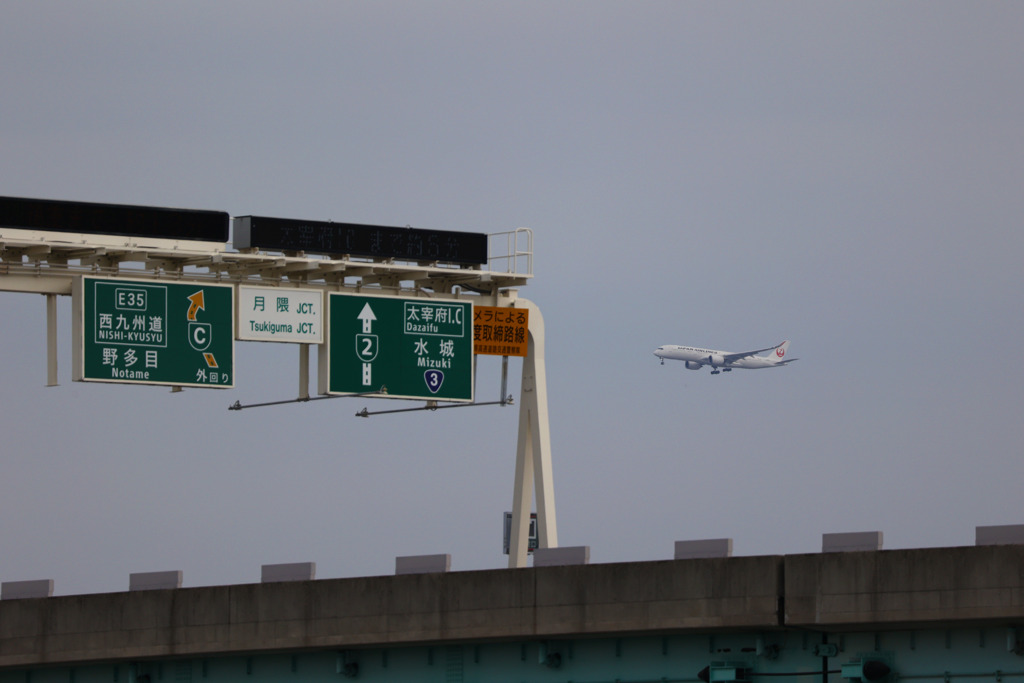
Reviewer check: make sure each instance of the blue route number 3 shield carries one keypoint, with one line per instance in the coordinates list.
(434, 380)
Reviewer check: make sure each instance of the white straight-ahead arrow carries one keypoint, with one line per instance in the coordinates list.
(367, 316)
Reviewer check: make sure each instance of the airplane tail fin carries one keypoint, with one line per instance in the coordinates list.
(780, 354)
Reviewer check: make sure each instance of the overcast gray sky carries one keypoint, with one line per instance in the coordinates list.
(845, 175)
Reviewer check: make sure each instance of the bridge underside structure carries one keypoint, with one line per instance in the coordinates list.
(932, 615)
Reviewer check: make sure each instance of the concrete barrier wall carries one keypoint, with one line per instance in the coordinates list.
(894, 587)
(405, 609)
(852, 590)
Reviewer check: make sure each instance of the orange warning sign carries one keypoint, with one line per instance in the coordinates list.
(500, 331)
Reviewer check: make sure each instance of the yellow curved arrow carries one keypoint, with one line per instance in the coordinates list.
(197, 304)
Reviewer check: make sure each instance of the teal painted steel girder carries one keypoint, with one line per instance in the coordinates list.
(942, 655)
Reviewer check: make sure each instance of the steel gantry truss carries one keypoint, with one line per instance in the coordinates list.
(47, 262)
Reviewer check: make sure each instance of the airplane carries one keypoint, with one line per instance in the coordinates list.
(724, 361)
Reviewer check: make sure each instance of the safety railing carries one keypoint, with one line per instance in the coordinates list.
(511, 252)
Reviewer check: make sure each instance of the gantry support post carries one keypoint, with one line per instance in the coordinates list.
(303, 372)
(51, 340)
(533, 451)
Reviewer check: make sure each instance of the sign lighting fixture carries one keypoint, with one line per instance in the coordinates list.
(90, 218)
(355, 239)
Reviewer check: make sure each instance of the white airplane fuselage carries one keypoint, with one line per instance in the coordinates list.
(696, 357)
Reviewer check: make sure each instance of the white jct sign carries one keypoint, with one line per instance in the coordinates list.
(277, 314)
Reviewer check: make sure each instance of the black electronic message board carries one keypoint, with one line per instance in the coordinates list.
(113, 219)
(354, 239)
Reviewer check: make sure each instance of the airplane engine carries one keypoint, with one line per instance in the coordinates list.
(690, 365)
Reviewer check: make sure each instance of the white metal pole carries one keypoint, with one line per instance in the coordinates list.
(519, 540)
(533, 452)
(547, 529)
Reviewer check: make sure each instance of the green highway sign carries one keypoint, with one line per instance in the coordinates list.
(416, 348)
(146, 332)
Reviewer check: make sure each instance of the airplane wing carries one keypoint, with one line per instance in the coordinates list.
(731, 358)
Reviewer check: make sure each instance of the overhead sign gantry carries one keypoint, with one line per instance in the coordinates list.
(159, 297)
